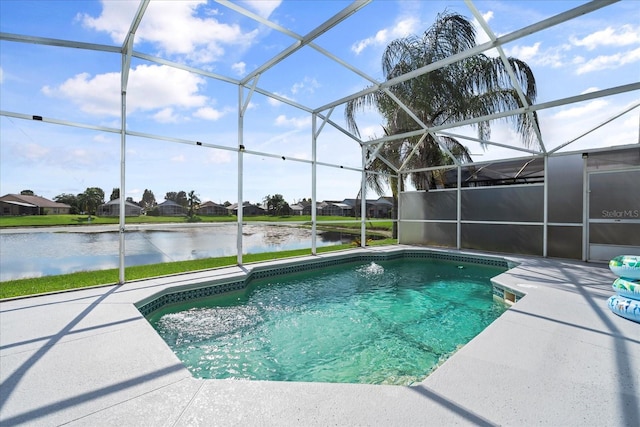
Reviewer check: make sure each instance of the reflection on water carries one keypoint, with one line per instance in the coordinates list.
(49, 253)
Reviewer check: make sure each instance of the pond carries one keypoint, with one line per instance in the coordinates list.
(28, 253)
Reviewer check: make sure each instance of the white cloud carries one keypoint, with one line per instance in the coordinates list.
(115, 19)
(622, 36)
(578, 59)
(307, 85)
(1, 75)
(174, 27)
(583, 110)
(81, 157)
(30, 152)
(180, 158)
(525, 53)
(217, 157)
(371, 132)
(558, 56)
(606, 62)
(166, 115)
(263, 8)
(151, 87)
(535, 54)
(209, 113)
(481, 36)
(239, 68)
(296, 122)
(402, 28)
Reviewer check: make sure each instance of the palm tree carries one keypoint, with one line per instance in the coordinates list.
(194, 202)
(472, 87)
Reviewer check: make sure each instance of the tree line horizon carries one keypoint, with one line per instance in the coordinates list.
(88, 201)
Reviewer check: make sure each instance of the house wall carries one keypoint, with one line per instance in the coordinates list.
(584, 194)
(114, 210)
(10, 209)
(213, 210)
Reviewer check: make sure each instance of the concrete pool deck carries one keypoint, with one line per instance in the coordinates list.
(558, 356)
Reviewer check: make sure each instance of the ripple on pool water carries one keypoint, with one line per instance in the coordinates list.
(390, 322)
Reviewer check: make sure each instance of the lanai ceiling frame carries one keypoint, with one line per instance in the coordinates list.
(495, 42)
(308, 41)
(371, 148)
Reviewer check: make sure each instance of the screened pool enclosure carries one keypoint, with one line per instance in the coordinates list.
(571, 192)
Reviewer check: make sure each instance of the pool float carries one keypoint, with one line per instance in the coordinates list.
(627, 288)
(627, 266)
(625, 307)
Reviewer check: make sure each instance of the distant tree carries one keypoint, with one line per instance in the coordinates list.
(27, 193)
(276, 205)
(148, 200)
(69, 199)
(115, 194)
(182, 199)
(179, 197)
(130, 200)
(194, 202)
(90, 200)
(227, 204)
(475, 86)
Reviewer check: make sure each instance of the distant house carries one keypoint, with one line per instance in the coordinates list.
(380, 208)
(248, 209)
(170, 208)
(211, 208)
(301, 208)
(334, 208)
(112, 208)
(18, 204)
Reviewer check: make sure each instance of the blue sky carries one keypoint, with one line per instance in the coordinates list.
(596, 51)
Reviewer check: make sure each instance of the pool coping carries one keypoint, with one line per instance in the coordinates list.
(558, 356)
(240, 281)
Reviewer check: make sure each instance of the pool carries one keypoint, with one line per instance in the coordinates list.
(387, 321)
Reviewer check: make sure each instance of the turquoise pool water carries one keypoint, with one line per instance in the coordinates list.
(386, 322)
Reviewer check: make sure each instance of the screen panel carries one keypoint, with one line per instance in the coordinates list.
(564, 242)
(429, 205)
(565, 186)
(428, 233)
(517, 239)
(511, 203)
(614, 195)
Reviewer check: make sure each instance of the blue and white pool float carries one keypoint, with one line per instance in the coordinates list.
(627, 266)
(626, 301)
(627, 288)
(625, 307)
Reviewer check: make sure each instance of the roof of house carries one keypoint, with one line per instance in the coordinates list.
(117, 202)
(33, 201)
(244, 205)
(354, 202)
(169, 203)
(340, 205)
(210, 203)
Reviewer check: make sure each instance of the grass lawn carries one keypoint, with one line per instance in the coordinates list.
(39, 285)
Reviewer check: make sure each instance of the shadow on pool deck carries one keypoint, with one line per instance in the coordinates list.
(452, 406)
(558, 356)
